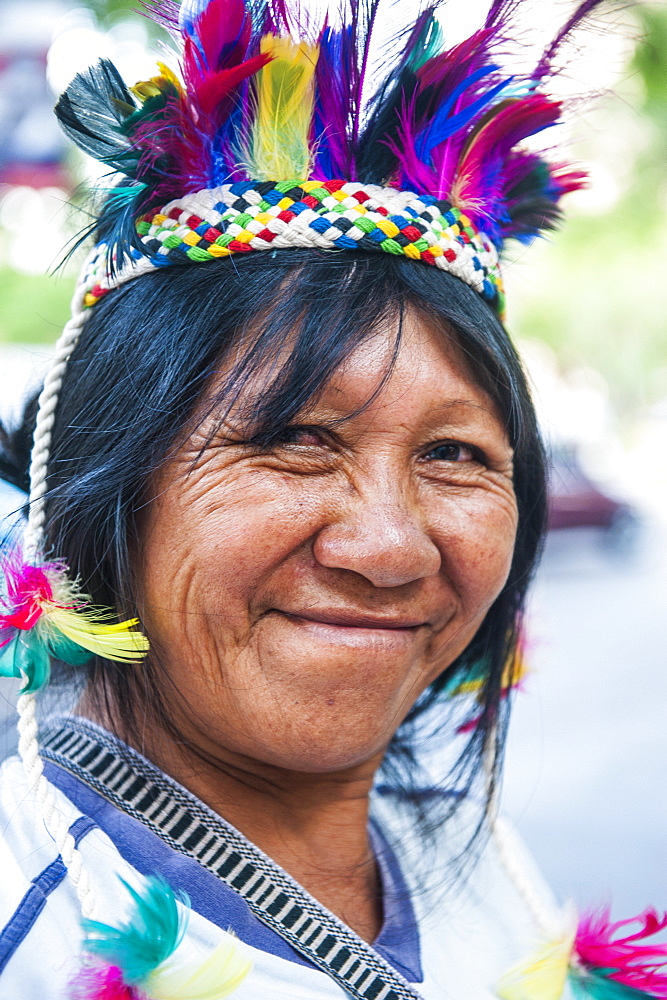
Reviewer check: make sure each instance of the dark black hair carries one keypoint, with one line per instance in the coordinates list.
(147, 354)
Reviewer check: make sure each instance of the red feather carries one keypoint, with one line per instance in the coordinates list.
(215, 89)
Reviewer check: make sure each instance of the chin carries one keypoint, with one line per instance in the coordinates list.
(318, 734)
(323, 752)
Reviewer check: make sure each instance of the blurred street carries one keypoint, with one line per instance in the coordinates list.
(586, 774)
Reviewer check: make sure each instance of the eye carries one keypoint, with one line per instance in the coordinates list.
(452, 451)
(304, 437)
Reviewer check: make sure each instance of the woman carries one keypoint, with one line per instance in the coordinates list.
(315, 478)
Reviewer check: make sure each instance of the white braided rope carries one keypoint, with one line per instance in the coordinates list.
(547, 922)
(509, 854)
(48, 401)
(56, 823)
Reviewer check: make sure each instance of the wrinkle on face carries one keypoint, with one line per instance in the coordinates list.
(244, 547)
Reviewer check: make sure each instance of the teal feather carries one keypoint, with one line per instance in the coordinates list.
(29, 656)
(594, 984)
(151, 934)
(429, 42)
(64, 649)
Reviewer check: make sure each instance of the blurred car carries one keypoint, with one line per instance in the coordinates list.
(575, 501)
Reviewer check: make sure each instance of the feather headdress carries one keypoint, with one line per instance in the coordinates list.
(262, 94)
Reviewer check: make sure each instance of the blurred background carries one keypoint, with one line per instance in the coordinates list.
(586, 777)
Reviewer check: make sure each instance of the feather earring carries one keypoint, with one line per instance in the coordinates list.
(597, 961)
(139, 959)
(45, 615)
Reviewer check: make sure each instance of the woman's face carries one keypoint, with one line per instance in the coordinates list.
(301, 598)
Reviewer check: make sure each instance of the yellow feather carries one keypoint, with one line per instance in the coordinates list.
(542, 976)
(216, 977)
(89, 629)
(146, 89)
(279, 147)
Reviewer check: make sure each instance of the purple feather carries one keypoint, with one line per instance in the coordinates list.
(335, 109)
(339, 83)
(544, 66)
(500, 12)
(164, 12)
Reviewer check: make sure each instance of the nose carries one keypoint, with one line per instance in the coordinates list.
(383, 539)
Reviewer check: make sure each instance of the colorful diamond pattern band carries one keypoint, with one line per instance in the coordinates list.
(334, 215)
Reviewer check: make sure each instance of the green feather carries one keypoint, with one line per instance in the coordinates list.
(151, 934)
(151, 110)
(593, 984)
(428, 44)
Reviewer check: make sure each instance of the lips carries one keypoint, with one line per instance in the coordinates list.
(353, 619)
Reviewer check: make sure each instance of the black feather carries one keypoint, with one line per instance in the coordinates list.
(376, 160)
(91, 112)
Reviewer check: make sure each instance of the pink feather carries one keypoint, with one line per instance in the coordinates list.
(103, 982)
(601, 944)
(479, 171)
(26, 587)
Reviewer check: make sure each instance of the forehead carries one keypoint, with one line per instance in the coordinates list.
(404, 374)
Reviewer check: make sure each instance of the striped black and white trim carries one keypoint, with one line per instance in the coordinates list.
(134, 785)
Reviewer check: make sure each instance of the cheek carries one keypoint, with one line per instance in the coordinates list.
(476, 539)
(211, 542)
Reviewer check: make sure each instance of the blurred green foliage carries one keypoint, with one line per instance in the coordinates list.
(108, 11)
(34, 307)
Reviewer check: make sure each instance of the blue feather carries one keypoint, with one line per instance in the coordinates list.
(442, 126)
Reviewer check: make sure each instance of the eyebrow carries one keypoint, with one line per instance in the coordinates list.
(454, 408)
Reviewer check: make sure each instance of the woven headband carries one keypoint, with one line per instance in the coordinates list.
(330, 215)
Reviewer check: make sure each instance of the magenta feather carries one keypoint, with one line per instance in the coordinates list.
(480, 171)
(602, 945)
(27, 586)
(544, 66)
(450, 84)
(103, 982)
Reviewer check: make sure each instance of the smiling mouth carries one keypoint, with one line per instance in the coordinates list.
(356, 621)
